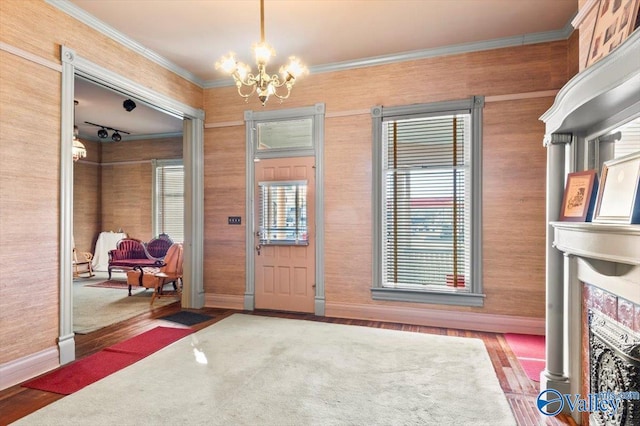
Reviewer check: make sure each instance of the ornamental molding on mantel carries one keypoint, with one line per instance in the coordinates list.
(599, 94)
(608, 242)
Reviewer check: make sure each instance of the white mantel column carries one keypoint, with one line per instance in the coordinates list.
(554, 376)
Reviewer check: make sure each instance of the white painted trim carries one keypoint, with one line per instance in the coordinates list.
(30, 56)
(438, 318)
(22, 369)
(193, 142)
(66, 342)
(585, 100)
(223, 301)
(583, 12)
(625, 284)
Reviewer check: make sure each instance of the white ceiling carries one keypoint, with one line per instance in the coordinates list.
(194, 34)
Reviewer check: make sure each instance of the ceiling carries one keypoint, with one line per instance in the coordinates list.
(191, 35)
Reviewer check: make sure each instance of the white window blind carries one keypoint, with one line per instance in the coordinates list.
(169, 200)
(427, 198)
(426, 207)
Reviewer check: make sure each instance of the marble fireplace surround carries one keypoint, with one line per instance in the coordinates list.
(607, 256)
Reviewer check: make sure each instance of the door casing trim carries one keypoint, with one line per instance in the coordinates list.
(193, 142)
(317, 112)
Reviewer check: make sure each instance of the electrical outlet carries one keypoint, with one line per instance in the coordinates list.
(235, 220)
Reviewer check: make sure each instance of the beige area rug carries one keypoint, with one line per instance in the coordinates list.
(95, 308)
(274, 371)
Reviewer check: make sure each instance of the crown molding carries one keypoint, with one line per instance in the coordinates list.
(584, 11)
(86, 18)
(522, 40)
(74, 11)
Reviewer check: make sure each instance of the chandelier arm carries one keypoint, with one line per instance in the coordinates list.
(246, 95)
(275, 81)
(250, 80)
(282, 97)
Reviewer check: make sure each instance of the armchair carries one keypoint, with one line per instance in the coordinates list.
(170, 271)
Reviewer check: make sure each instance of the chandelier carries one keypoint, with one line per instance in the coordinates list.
(77, 149)
(262, 83)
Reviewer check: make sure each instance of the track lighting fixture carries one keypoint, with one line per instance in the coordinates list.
(103, 134)
(129, 105)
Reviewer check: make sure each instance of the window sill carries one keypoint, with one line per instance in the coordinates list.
(424, 296)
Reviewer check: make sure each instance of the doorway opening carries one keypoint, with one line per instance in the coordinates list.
(74, 66)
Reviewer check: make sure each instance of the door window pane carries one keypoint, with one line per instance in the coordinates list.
(283, 212)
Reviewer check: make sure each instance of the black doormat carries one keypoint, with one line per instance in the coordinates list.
(187, 317)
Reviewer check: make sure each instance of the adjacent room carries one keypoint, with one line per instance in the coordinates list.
(419, 212)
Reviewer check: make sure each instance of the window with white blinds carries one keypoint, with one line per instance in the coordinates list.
(425, 186)
(168, 203)
(426, 213)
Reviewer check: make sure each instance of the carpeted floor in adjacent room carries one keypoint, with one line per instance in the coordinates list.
(95, 308)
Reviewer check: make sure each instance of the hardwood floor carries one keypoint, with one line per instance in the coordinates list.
(17, 401)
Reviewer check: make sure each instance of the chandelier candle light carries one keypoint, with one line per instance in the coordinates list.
(263, 83)
(77, 149)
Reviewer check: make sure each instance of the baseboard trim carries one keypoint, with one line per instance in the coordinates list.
(438, 318)
(27, 367)
(224, 301)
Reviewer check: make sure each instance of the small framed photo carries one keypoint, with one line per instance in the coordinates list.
(579, 196)
(619, 194)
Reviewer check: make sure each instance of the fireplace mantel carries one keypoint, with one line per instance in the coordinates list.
(612, 243)
(607, 256)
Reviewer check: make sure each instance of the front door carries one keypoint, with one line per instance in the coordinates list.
(285, 237)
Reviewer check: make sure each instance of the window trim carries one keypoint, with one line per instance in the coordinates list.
(448, 296)
(154, 198)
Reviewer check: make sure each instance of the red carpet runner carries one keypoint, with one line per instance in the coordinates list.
(73, 377)
(529, 350)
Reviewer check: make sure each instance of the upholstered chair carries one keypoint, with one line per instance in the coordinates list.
(157, 248)
(157, 277)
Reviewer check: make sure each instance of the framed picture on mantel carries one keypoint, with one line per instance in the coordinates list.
(616, 20)
(619, 194)
(579, 196)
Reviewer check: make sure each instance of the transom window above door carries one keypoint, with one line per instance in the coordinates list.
(285, 134)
